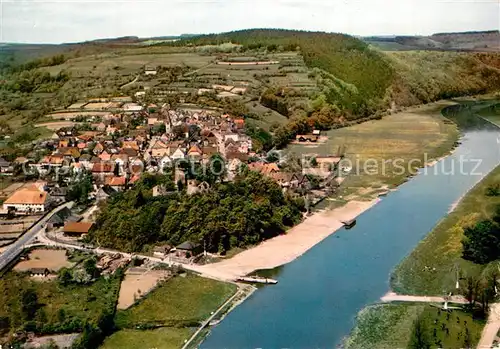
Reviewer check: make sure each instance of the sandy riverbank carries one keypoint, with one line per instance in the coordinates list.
(287, 247)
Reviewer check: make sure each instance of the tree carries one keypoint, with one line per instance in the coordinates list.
(472, 286)
(493, 190)
(65, 277)
(80, 189)
(481, 243)
(29, 303)
(90, 267)
(273, 156)
(234, 214)
(419, 338)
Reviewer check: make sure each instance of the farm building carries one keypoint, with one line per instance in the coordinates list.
(77, 228)
(161, 251)
(307, 138)
(60, 217)
(27, 200)
(149, 70)
(40, 272)
(132, 107)
(5, 166)
(188, 249)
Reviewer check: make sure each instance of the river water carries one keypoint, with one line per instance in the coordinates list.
(318, 295)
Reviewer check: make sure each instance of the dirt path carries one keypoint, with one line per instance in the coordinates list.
(197, 70)
(130, 83)
(393, 297)
(491, 329)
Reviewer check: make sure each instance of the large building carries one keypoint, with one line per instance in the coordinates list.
(28, 200)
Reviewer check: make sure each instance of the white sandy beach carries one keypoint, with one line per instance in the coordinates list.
(287, 247)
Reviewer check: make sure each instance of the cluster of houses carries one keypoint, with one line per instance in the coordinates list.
(120, 147)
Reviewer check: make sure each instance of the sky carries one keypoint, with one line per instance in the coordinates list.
(57, 21)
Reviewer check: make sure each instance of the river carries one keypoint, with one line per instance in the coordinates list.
(315, 303)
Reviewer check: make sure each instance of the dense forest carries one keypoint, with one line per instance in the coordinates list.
(236, 214)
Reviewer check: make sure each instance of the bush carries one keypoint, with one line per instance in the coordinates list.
(493, 190)
(481, 243)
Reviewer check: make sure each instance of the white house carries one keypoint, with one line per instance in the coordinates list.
(27, 200)
(132, 107)
(233, 136)
(233, 168)
(178, 154)
(165, 161)
(150, 71)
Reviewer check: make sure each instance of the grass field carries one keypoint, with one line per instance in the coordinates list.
(388, 326)
(181, 300)
(162, 338)
(128, 63)
(59, 306)
(442, 248)
(407, 135)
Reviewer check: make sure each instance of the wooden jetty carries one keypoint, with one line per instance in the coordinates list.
(257, 280)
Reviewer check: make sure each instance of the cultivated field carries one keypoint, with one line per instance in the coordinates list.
(137, 284)
(73, 115)
(128, 63)
(51, 259)
(162, 338)
(56, 125)
(182, 300)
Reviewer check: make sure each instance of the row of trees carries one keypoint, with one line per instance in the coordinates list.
(236, 214)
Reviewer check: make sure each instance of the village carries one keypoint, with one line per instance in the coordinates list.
(103, 147)
(114, 149)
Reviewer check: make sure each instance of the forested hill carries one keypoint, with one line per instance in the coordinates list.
(366, 72)
(358, 81)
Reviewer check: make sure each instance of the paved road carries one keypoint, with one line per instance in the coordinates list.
(47, 240)
(14, 250)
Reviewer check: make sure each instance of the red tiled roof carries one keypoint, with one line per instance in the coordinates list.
(78, 227)
(27, 196)
(100, 167)
(116, 181)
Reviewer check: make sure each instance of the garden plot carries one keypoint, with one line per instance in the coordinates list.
(137, 283)
(51, 259)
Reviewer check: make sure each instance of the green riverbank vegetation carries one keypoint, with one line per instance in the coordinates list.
(432, 268)
(414, 326)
